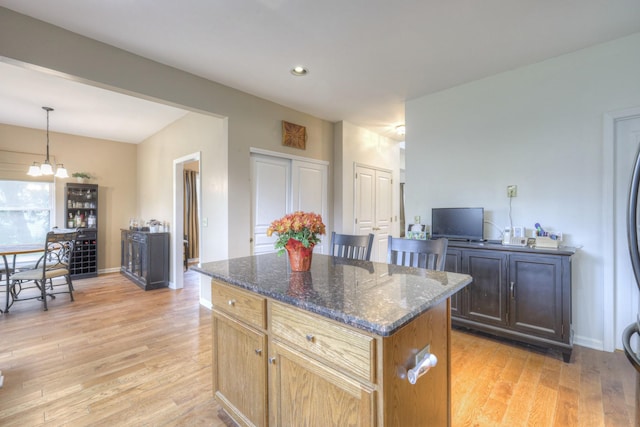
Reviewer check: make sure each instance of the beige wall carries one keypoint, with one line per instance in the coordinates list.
(194, 133)
(251, 121)
(113, 164)
(358, 146)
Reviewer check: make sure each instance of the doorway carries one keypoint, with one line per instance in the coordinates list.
(177, 233)
(621, 140)
(281, 185)
(373, 207)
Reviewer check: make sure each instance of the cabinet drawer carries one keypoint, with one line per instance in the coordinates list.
(340, 346)
(242, 305)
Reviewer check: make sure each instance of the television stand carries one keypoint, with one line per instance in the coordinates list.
(518, 293)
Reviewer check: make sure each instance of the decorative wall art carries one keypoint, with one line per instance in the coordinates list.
(294, 135)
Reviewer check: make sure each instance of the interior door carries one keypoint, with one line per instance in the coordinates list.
(271, 188)
(309, 192)
(373, 207)
(626, 294)
(383, 208)
(281, 186)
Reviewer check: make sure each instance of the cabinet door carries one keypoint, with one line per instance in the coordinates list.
(240, 371)
(143, 251)
(453, 264)
(136, 257)
(535, 299)
(304, 392)
(486, 297)
(124, 250)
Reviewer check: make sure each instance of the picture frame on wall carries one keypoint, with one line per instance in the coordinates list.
(294, 135)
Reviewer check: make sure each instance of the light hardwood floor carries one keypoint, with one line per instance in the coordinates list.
(119, 356)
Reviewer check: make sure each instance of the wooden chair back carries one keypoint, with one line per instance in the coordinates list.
(429, 254)
(351, 246)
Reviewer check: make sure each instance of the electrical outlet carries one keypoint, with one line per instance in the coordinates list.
(512, 190)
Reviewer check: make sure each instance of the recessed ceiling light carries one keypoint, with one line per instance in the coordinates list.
(401, 129)
(299, 71)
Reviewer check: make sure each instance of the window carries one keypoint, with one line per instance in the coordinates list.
(26, 210)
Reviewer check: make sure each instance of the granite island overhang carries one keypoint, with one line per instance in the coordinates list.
(351, 329)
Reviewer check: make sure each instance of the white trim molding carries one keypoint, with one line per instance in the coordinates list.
(608, 225)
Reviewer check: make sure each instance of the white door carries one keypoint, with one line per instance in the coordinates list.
(373, 207)
(627, 143)
(309, 193)
(271, 189)
(280, 186)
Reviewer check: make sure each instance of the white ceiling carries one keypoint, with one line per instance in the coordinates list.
(365, 57)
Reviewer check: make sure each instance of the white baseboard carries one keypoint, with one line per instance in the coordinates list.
(205, 303)
(588, 342)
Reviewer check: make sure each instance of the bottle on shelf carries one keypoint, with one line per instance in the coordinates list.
(71, 222)
(91, 221)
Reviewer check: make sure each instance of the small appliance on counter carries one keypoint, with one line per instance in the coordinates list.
(152, 226)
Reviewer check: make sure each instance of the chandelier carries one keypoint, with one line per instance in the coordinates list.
(45, 168)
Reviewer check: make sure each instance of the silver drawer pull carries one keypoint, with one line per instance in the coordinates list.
(231, 302)
(422, 367)
(310, 337)
(272, 360)
(258, 351)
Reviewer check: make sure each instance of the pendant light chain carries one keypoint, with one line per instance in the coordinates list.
(47, 109)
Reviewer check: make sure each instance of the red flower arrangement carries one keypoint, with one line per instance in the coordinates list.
(301, 226)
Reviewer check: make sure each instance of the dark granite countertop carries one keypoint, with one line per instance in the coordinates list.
(496, 245)
(376, 297)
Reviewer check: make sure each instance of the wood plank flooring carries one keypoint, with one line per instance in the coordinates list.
(119, 356)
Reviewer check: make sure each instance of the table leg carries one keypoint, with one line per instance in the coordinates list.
(7, 273)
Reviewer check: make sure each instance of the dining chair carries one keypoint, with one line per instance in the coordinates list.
(351, 246)
(429, 254)
(53, 264)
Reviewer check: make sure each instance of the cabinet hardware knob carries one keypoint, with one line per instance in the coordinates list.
(258, 351)
(231, 302)
(272, 360)
(310, 337)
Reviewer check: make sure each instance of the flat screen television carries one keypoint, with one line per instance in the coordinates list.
(458, 223)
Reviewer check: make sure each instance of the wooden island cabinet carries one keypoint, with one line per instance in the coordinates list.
(332, 346)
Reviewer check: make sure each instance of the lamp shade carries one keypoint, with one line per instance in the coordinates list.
(46, 169)
(34, 170)
(61, 172)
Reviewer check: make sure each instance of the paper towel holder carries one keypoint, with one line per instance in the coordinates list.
(424, 360)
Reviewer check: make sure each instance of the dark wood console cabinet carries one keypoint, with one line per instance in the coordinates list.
(145, 258)
(522, 294)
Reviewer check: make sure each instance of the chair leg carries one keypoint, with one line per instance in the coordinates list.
(14, 294)
(6, 304)
(43, 291)
(70, 286)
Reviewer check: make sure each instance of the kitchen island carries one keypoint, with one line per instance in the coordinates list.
(339, 345)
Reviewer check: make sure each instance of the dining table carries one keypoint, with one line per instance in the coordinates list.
(11, 252)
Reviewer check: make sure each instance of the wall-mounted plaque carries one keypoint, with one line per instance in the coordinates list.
(294, 135)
